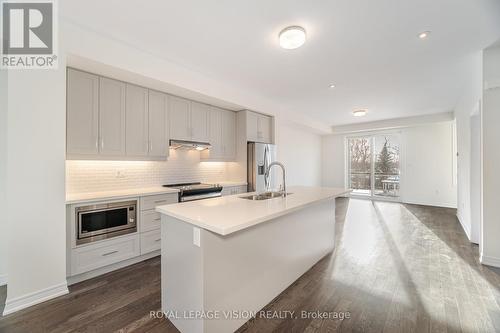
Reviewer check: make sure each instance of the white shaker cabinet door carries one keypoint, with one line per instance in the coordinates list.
(82, 113)
(137, 140)
(252, 121)
(264, 132)
(229, 134)
(111, 117)
(179, 110)
(158, 124)
(215, 132)
(199, 122)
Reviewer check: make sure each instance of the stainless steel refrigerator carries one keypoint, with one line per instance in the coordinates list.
(259, 156)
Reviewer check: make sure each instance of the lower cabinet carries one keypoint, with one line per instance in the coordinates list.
(89, 257)
(97, 255)
(150, 241)
(149, 223)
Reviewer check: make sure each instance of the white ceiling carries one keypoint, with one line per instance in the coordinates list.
(369, 49)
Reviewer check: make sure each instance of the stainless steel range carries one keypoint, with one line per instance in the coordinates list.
(196, 191)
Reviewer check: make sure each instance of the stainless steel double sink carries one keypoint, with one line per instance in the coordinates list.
(265, 196)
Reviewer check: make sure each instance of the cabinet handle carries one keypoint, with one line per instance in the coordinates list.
(150, 145)
(157, 240)
(102, 143)
(97, 143)
(160, 201)
(109, 253)
(158, 219)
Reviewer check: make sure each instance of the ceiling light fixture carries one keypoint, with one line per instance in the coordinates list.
(292, 37)
(359, 113)
(424, 34)
(332, 86)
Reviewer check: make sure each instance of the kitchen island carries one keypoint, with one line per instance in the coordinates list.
(224, 259)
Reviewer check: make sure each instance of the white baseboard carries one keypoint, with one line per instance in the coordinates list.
(16, 304)
(489, 261)
(3, 279)
(464, 226)
(432, 204)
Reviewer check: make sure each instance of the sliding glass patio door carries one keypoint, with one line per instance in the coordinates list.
(373, 167)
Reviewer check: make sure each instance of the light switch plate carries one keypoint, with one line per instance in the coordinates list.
(197, 236)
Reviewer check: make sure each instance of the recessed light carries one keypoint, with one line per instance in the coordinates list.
(332, 86)
(424, 34)
(359, 112)
(292, 37)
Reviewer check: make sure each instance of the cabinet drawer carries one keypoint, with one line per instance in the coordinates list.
(150, 202)
(150, 241)
(87, 258)
(150, 220)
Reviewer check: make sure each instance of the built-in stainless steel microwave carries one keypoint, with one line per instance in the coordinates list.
(96, 222)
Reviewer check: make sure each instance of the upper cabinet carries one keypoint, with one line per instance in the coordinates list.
(110, 119)
(82, 121)
(199, 122)
(222, 135)
(259, 127)
(137, 140)
(180, 114)
(188, 120)
(147, 127)
(158, 124)
(215, 134)
(228, 121)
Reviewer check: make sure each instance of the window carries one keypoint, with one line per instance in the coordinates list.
(374, 165)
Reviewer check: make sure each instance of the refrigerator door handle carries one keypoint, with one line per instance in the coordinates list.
(266, 164)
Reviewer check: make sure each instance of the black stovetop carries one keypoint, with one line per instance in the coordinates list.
(190, 188)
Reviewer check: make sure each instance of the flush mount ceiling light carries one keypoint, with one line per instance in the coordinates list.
(359, 112)
(424, 34)
(292, 37)
(332, 86)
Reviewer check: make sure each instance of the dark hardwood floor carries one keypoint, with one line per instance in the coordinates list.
(396, 268)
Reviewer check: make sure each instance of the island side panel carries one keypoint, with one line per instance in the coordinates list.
(181, 274)
(246, 270)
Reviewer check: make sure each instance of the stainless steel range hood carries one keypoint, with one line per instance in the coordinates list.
(189, 145)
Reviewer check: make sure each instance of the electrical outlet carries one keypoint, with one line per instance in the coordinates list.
(120, 173)
(197, 236)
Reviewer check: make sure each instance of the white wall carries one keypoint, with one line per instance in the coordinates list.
(490, 245)
(427, 164)
(466, 106)
(333, 160)
(428, 176)
(475, 177)
(36, 236)
(3, 176)
(300, 151)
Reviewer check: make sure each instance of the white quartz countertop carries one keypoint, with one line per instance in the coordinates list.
(72, 198)
(225, 215)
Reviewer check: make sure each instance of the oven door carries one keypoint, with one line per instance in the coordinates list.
(98, 222)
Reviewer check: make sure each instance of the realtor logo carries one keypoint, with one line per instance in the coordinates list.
(28, 35)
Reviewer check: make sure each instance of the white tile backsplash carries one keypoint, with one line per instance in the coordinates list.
(182, 166)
